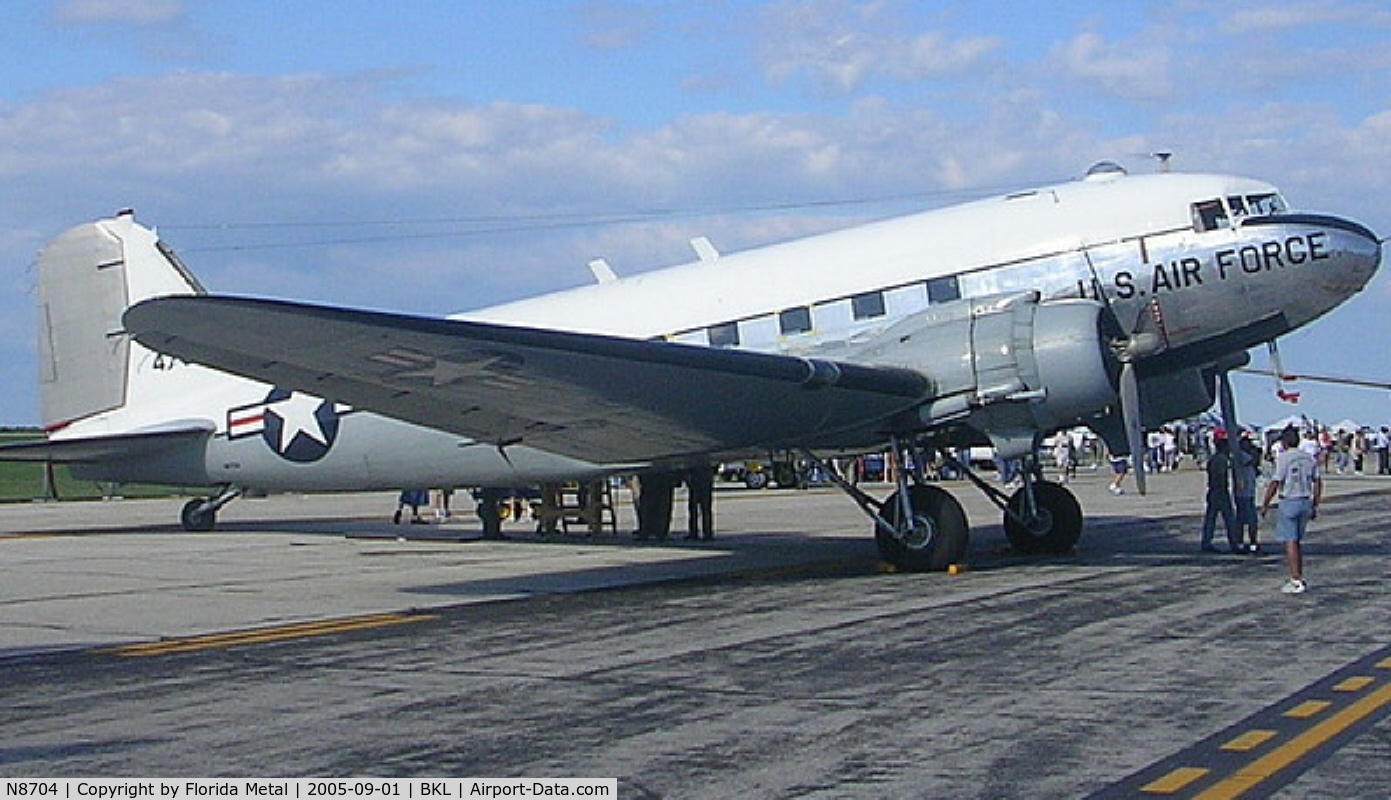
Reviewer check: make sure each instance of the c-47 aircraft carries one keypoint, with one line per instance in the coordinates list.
(1116, 301)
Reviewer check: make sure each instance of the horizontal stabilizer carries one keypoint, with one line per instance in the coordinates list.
(98, 449)
(1362, 383)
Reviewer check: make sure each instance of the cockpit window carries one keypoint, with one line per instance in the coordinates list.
(1264, 205)
(1236, 206)
(1209, 215)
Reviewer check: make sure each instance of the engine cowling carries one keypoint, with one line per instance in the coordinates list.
(1007, 364)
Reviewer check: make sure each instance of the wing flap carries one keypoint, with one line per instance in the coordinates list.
(599, 398)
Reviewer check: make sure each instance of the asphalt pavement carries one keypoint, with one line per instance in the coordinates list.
(309, 636)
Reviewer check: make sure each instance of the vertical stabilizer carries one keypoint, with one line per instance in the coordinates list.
(88, 276)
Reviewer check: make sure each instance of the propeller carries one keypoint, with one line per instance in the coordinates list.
(1228, 402)
(1145, 338)
(1130, 417)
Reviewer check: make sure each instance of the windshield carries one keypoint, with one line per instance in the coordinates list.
(1264, 205)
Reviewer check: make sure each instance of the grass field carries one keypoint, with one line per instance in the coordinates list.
(25, 482)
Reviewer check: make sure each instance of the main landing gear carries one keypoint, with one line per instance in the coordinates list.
(199, 515)
(922, 527)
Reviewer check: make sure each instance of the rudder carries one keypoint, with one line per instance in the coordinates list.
(88, 276)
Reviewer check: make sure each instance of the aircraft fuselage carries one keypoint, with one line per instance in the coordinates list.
(1204, 265)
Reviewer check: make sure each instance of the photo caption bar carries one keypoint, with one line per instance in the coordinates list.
(305, 788)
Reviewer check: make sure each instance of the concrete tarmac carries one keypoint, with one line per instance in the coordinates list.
(310, 637)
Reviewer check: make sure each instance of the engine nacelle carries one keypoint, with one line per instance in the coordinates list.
(1007, 364)
(1176, 395)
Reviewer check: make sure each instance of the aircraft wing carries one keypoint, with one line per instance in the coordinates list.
(96, 449)
(598, 398)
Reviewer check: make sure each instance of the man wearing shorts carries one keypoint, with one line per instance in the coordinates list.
(1296, 478)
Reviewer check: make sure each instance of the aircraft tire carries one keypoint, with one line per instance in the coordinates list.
(756, 480)
(1058, 526)
(940, 535)
(196, 520)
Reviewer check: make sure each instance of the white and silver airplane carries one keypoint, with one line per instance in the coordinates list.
(1116, 301)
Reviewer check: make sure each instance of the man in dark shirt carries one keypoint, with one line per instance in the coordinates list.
(1219, 495)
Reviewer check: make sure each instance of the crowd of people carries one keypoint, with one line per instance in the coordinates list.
(1293, 462)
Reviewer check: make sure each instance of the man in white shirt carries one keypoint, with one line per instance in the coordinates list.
(1297, 480)
(1382, 442)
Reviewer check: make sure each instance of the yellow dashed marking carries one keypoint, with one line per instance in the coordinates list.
(1174, 781)
(1355, 684)
(263, 635)
(1307, 709)
(1248, 741)
(1265, 767)
(1282, 740)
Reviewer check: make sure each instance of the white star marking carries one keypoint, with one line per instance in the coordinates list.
(443, 373)
(297, 415)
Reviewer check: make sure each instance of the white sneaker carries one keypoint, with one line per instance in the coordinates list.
(1294, 586)
(1116, 490)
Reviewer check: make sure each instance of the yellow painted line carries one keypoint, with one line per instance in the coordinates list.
(1174, 781)
(1354, 684)
(1307, 709)
(263, 635)
(1263, 768)
(1384, 664)
(1248, 741)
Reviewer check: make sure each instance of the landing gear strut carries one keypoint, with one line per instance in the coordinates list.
(1040, 517)
(923, 528)
(926, 530)
(920, 527)
(199, 515)
(1043, 517)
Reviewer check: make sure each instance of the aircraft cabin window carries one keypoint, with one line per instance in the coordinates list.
(868, 305)
(943, 290)
(1209, 215)
(794, 320)
(725, 335)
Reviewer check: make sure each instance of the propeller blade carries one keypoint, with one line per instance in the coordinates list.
(1130, 415)
(1227, 399)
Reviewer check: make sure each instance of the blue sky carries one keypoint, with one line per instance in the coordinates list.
(433, 156)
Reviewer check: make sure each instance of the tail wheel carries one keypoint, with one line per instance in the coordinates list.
(935, 537)
(197, 517)
(1054, 527)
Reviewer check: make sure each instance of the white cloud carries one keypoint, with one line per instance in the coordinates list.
(1132, 69)
(841, 45)
(130, 12)
(1268, 17)
(615, 26)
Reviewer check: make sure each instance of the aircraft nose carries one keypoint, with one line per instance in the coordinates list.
(1361, 248)
(1348, 252)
